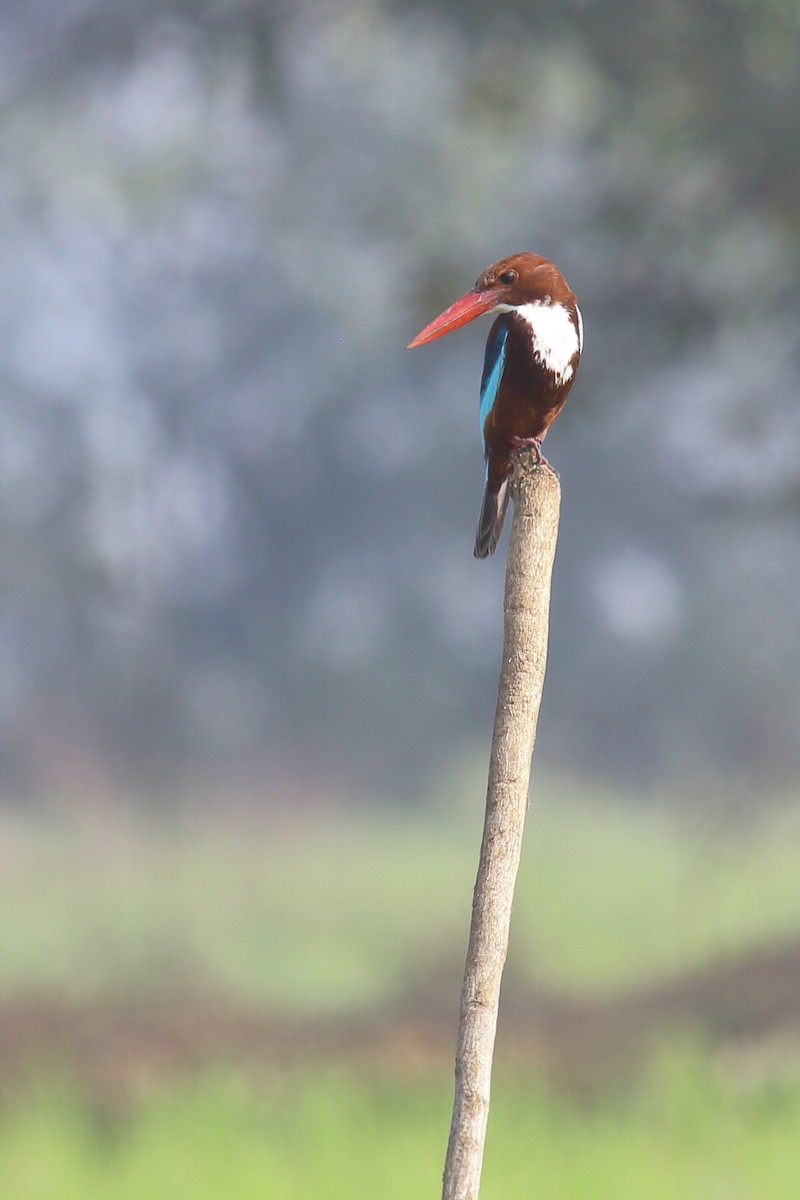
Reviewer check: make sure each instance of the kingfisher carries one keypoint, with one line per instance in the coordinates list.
(532, 354)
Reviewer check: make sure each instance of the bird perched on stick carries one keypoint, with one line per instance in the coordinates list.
(532, 353)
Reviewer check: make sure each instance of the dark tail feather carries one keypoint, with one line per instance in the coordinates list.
(490, 522)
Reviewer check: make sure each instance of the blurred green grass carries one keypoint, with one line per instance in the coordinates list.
(342, 913)
(686, 1133)
(336, 913)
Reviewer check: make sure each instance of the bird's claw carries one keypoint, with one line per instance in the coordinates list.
(532, 443)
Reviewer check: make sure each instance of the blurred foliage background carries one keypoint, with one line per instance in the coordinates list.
(248, 663)
(236, 514)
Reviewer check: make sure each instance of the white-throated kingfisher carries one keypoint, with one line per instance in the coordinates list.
(532, 353)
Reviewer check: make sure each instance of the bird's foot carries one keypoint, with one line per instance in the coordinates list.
(532, 443)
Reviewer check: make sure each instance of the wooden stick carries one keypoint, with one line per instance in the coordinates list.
(537, 494)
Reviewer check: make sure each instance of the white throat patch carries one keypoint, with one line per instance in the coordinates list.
(555, 339)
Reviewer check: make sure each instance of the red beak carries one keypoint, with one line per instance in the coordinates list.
(473, 305)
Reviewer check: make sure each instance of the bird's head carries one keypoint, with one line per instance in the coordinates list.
(507, 284)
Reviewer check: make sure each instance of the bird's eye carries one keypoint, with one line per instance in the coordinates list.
(508, 277)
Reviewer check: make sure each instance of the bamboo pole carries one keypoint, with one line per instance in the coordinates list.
(537, 494)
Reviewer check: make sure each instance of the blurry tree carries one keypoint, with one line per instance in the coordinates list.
(237, 516)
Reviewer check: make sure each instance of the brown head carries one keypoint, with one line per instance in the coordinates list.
(507, 284)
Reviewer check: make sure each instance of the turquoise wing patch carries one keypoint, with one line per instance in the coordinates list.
(493, 363)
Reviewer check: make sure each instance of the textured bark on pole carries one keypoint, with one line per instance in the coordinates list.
(534, 531)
